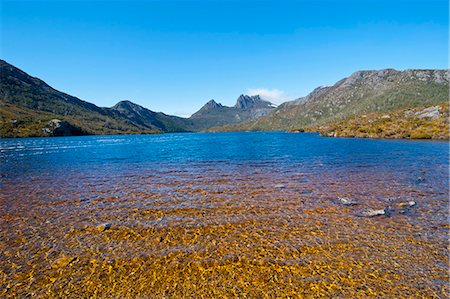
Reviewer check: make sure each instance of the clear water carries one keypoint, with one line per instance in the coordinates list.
(367, 169)
(280, 181)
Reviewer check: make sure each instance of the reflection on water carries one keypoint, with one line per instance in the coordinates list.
(229, 214)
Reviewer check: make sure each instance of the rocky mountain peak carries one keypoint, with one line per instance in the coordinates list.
(246, 102)
(212, 104)
(371, 77)
(432, 76)
(246, 107)
(210, 107)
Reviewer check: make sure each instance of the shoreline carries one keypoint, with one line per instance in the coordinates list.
(295, 131)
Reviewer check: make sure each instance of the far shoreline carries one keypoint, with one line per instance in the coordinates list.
(215, 132)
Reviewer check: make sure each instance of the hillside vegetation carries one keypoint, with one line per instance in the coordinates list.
(28, 105)
(418, 123)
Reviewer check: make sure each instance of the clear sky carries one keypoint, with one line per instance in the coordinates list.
(173, 56)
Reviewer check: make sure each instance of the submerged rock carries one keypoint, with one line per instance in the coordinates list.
(347, 201)
(279, 186)
(406, 206)
(410, 203)
(391, 199)
(63, 261)
(373, 213)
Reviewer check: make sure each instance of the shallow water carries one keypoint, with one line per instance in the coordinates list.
(223, 214)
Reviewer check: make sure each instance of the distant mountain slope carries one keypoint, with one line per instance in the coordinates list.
(146, 118)
(215, 114)
(362, 92)
(418, 123)
(28, 105)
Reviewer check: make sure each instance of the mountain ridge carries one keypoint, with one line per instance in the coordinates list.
(30, 107)
(361, 92)
(215, 114)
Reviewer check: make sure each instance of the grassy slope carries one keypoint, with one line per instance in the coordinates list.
(28, 103)
(16, 121)
(403, 123)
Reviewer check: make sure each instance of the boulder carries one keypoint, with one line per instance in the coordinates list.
(57, 127)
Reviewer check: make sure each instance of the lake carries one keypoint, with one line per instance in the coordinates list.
(223, 215)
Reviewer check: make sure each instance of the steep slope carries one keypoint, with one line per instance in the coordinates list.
(151, 120)
(362, 92)
(30, 107)
(214, 114)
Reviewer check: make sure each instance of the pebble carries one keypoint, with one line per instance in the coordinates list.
(347, 201)
(104, 226)
(410, 203)
(63, 261)
(280, 186)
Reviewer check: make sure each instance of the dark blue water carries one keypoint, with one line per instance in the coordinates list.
(282, 149)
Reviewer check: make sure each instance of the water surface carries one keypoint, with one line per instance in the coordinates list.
(223, 214)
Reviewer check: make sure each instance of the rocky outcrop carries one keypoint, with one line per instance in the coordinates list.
(432, 113)
(57, 127)
(251, 102)
(368, 78)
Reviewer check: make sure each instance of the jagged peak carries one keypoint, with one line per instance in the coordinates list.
(246, 101)
(210, 105)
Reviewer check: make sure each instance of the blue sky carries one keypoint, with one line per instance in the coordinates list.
(173, 56)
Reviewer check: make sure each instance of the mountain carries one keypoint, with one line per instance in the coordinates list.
(151, 120)
(207, 108)
(30, 107)
(363, 92)
(213, 114)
